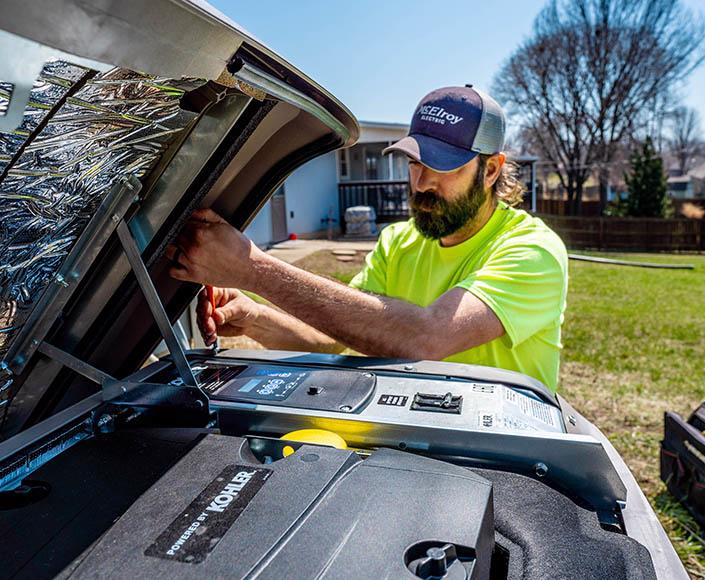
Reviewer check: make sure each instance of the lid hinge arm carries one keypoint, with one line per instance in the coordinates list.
(75, 364)
(155, 305)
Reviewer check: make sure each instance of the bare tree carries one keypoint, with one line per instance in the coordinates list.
(595, 74)
(685, 140)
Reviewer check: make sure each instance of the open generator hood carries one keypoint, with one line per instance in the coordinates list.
(132, 115)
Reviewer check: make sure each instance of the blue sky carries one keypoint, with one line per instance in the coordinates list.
(380, 57)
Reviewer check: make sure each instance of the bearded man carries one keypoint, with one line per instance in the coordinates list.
(467, 279)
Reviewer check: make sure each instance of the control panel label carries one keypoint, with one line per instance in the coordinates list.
(530, 407)
(393, 400)
(200, 527)
(267, 384)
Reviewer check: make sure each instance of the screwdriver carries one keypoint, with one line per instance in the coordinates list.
(211, 298)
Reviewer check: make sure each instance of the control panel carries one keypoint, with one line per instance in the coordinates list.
(415, 399)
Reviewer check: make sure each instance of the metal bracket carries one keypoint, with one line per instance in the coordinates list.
(75, 364)
(179, 405)
(155, 305)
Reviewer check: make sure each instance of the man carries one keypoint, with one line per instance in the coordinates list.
(467, 279)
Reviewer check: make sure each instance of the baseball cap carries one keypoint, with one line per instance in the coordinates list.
(451, 126)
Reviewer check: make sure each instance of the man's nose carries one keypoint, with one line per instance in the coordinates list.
(426, 180)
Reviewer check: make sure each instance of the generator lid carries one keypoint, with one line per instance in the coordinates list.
(127, 113)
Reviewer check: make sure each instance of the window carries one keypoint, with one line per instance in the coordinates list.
(343, 164)
(400, 166)
(376, 165)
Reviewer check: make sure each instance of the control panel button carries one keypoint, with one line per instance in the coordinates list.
(448, 403)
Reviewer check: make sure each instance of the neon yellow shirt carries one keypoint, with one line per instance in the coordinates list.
(515, 264)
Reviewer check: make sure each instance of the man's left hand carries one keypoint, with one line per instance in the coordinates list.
(211, 251)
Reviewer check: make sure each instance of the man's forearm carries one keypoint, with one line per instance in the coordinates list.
(370, 324)
(279, 330)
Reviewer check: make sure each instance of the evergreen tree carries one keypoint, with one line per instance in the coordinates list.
(647, 183)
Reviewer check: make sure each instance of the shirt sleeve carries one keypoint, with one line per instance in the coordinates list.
(525, 286)
(373, 277)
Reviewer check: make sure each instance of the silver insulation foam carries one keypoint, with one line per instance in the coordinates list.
(55, 80)
(119, 123)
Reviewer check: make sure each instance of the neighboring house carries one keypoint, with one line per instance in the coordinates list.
(689, 186)
(321, 189)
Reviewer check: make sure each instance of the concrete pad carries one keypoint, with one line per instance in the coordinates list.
(295, 250)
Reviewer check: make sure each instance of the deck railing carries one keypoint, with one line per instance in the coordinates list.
(388, 198)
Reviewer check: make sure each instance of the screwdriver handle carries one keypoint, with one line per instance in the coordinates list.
(211, 299)
(211, 296)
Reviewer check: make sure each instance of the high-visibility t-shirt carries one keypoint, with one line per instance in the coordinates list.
(515, 264)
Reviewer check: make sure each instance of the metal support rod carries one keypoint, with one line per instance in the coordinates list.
(75, 364)
(155, 304)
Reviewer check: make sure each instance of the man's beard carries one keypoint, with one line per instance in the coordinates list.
(437, 218)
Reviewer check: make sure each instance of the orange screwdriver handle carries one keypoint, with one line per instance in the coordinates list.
(211, 299)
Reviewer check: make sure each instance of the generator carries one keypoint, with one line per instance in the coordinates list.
(225, 464)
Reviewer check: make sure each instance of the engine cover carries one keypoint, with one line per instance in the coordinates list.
(319, 513)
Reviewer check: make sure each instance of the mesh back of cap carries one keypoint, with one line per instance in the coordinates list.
(490, 134)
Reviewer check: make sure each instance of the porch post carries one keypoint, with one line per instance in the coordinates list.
(391, 162)
(533, 187)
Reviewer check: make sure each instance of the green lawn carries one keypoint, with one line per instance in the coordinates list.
(634, 347)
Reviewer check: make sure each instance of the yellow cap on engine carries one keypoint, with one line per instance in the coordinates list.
(314, 436)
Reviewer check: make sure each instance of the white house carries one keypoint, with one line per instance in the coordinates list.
(311, 194)
(320, 190)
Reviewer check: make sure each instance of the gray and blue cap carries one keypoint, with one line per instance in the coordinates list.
(451, 126)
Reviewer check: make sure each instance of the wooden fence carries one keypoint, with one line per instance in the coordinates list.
(629, 234)
(589, 208)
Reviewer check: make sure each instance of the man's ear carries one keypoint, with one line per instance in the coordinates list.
(493, 168)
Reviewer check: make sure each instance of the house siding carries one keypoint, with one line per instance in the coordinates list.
(310, 192)
(260, 228)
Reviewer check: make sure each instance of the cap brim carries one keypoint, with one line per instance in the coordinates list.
(433, 153)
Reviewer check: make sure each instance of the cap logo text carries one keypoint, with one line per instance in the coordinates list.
(437, 115)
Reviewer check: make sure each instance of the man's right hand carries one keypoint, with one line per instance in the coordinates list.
(235, 314)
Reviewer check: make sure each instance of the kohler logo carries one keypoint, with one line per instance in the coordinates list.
(230, 491)
(437, 115)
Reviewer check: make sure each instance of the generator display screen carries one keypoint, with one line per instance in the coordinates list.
(262, 383)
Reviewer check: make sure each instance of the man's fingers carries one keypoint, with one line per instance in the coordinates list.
(185, 239)
(182, 273)
(203, 298)
(206, 215)
(232, 312)
(221, 296)
(173, 252)
(203, 306)
(218, 316)
(210, 326)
